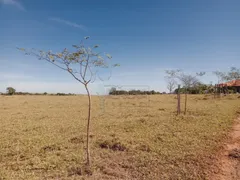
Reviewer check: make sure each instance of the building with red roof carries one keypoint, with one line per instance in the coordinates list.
(233, 84)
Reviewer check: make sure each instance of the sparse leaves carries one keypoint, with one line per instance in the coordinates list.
(59, 55)
(109, 56)
(233, 74)
(186, 80)
(51, 58)
(21, 49)
(116, 65)
(100, 57)
(81, 63)
(220, 75)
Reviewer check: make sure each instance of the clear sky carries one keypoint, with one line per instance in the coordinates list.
(145, 36)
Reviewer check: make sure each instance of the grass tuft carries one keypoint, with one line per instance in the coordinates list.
(113, 144)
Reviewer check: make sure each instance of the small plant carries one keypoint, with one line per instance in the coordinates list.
(77, 140)
(79, 171)
(188, 81)
(113, 144)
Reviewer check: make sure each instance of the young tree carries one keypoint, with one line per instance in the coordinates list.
(82, 64)
(10, 91)
(171, 85)
(189, 81)
(186, 80)
(171, 79)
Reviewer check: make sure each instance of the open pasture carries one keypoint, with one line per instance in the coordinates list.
(132, 137)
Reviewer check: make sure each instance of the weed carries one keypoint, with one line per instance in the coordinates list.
(50, 148)
(113, 144)
(79, 171)
(77, 140)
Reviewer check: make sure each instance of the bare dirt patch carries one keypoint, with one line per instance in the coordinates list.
(229, 162)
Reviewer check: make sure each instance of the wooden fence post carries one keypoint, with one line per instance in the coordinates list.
(178, 101)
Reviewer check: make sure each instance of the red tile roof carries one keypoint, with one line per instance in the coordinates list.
(231, 83)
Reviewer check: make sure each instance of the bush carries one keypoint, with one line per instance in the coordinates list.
(11, 91)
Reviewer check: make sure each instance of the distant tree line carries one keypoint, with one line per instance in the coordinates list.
(197, 89)
(204, 89)
(114, 91)
(191, 84)
(11, 91)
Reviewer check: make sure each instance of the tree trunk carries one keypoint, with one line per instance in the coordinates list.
(185, 110)
(88, 127)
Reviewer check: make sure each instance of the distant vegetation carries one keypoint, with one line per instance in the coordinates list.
(204, 89)
(197, 89)
(12, 91)
(114, 91)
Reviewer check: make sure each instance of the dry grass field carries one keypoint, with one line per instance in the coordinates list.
(133, 137)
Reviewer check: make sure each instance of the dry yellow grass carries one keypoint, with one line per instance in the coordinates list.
(133, 137)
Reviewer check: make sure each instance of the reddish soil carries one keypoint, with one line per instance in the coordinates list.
(229, 160)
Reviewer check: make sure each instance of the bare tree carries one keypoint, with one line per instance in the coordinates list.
(171, 79)
(220, 76)
(189, 81)
(233, 74)
(82, 65)
(186, 80)
(171, 84)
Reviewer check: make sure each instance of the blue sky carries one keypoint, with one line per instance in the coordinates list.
(145, 37)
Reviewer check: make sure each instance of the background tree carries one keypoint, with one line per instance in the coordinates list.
(10, 91)
(233, 74)
(220, 76)
(82, 64)
(171, 79)
(112, 91)
(189, 81)
(198, 89)
(186, 80)
(171, 85)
